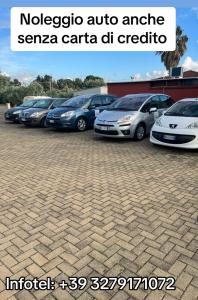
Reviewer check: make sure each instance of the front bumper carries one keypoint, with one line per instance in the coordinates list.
(60, 123)
(179, 138)
(113, 129)
(30, 121)
(11, 117)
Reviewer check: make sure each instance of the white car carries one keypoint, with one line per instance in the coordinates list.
(178, 126)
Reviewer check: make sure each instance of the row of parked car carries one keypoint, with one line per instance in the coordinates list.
(131, 116)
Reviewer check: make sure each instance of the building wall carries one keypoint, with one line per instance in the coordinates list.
(97, 90)
(3, 108)
(176, 92)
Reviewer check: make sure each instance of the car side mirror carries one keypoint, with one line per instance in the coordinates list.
(91, 106)
(152, 110)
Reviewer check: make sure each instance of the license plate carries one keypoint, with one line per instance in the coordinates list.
(23, 119)
(51, 121)
(169, 137)
(104, 128)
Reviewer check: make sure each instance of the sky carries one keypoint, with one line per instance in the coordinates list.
(112, 66)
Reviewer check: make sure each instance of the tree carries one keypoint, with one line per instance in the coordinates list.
(78, 83)
(4, 80)
(60, 84)
(171, 58)
(34, 89)
(64, 93)
(45, 81)
(93, 81)
(15, 82)
(13, 94)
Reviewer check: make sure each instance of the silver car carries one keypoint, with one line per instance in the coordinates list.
(131, 116)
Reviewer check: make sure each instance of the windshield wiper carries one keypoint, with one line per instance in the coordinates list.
(174, 114)
(123, 109)
(68, 106)
(40, 107)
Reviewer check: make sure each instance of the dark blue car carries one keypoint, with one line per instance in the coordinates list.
(78, 112)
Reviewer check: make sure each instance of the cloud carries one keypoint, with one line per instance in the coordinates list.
(195, 9)
(25, 78)
(150, 75)
(190, 64)
(137, 76)
(12, 66)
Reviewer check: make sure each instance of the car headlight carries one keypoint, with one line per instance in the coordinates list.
(36, 114)
(158, 122)
(126, 119)
(193, 125)
(17, 112)
(68, 114)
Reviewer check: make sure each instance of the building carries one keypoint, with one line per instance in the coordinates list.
(177, 88)
(97, 90)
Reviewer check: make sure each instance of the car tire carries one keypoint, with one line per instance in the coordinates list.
(43, 123)
(140, 132)
(81, 124)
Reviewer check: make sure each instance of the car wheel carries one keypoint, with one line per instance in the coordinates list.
(81, 124)
(140, 132)
(43, 123)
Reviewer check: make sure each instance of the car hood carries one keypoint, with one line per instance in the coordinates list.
(103, 107)
(32, 110)
(180, 122)
(57, 112)
(11, 110)
(114, 115)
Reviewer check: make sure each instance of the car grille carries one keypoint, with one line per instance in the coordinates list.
(105, 125)
(106, 132)
(179, 138)
(54, 116)
(25, 114)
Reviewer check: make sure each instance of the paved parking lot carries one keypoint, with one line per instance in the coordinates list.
(75, 205)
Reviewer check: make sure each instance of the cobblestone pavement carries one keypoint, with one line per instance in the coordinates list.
(75, 205)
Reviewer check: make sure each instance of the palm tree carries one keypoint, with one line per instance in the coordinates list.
(172, 58)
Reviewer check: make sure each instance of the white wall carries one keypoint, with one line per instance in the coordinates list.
(98, 90)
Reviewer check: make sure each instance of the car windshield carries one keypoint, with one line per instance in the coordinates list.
(59, 102)
(76, 102)
(28, 103)
(131, 103)
(184, 109)
(44, 103)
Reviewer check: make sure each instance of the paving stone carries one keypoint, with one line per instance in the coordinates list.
(72, 204)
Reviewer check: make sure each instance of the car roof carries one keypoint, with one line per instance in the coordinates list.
(145, 94)
(59, 99)
(40, 99)
(91, 95)
(189, 99)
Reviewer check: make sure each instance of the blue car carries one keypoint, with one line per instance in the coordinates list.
(78, 112)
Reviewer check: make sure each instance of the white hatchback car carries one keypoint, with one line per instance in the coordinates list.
(178, 126)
